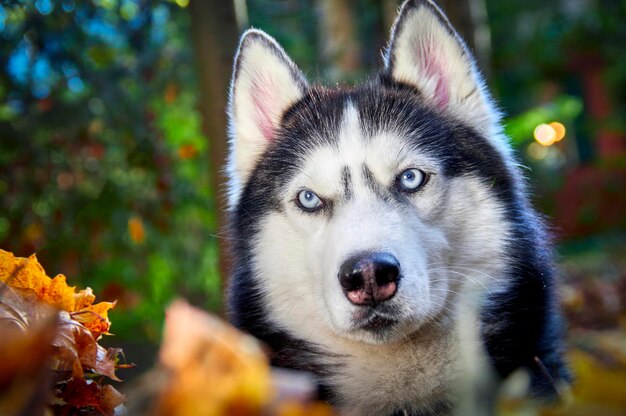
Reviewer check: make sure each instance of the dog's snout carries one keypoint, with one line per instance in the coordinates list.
(370, 278)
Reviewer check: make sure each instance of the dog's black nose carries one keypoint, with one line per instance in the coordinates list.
(370, 278)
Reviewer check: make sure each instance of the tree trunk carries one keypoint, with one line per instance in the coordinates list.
(215, 33)
(340, 46)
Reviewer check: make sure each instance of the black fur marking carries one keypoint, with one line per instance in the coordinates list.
(346, 182)
(370, 180)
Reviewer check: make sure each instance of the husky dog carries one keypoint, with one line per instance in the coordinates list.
(381, 234)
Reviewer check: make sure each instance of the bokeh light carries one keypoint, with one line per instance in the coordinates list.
(559, 128)
(537, 151)
(545, 134)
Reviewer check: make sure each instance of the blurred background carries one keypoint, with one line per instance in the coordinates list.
(112, 139)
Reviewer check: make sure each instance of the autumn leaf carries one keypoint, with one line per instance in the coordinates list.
(214, 369)
(22, 273)
(28, 274)
(26, 330)
(209, 367)
(136, 230)
(75, 347)
(95, 318)
(187, 151)
(46, 327)
(81, 394)
(106, 362)
(19, 308)
(83, 299)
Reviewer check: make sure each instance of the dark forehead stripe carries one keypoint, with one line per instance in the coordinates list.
(346, 182)
(369, 179)
(380, 190)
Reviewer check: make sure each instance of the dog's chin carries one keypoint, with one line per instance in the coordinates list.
(380, 328)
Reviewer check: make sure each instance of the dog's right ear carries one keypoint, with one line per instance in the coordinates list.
(265, 84)
(426, 53)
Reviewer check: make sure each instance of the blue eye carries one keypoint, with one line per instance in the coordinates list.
(411, 180)
(309, 201)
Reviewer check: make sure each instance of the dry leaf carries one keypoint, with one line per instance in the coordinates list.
(106, 362)
(214, 369)
(26, 330)
(27, 274)
(38, 340)
(76, 348)
(89, 396)
(95, 318)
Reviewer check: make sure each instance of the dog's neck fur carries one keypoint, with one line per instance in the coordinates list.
(381, 379)
(420, 374)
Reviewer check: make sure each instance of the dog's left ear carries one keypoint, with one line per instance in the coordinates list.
(425, 52)
(265, 84)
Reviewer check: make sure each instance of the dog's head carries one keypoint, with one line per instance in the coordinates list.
(373, 210)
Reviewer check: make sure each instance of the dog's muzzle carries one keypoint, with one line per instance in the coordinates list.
(368, 279)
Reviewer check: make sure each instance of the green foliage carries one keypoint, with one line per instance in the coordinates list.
(99, 127)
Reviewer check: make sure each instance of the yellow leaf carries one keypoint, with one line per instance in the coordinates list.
(59, 294)
(27, 273)
(22, 273)
(214, 369)
(83, 299)
(95, 318)
(136, 230)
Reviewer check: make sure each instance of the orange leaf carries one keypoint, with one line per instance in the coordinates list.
(22, 273)
(59, 294)
(83, 299)
(27, 273)
(110, 399)
(66, 344)
(95, 318)
(214, 369)
(188, 151)
(8, 265)
(136, 230)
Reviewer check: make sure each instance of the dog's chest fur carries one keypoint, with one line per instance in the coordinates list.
(368, 379)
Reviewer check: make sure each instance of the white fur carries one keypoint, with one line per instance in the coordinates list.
(265, 84)
(445, 245)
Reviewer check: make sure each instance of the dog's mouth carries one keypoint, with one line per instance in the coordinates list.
(374, 320)
(378, 323)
